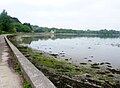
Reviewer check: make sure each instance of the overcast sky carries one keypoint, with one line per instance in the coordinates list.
(75, 14)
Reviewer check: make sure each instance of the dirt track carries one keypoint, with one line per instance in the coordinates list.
(8, 77)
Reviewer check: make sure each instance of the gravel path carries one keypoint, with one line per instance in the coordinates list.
(8, 78)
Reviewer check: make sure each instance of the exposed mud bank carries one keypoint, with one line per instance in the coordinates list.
(66, 75)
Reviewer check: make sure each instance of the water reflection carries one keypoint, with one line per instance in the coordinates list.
(31, 38)
(78, 48)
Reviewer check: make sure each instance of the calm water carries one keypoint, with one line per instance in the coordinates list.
(80, 49)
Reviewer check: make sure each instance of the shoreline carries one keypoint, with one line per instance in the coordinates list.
(50, 66)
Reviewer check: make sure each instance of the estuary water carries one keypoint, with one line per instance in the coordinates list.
(78, 48)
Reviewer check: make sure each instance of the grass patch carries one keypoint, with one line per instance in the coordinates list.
(27, 85)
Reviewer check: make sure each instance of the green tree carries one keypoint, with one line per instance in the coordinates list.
(21, 28)
(3, 15)
(6, 25)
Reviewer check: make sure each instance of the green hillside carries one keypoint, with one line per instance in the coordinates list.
(10, 24)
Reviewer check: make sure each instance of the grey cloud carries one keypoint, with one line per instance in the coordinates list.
(77, 14)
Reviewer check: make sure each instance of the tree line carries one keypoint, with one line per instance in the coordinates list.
(77, 32)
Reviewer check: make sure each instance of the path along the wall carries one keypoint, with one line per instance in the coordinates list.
(8, 77)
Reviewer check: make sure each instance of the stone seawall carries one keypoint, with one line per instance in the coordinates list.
(35, 77)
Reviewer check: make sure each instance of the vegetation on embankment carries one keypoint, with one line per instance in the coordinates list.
(64, 74)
